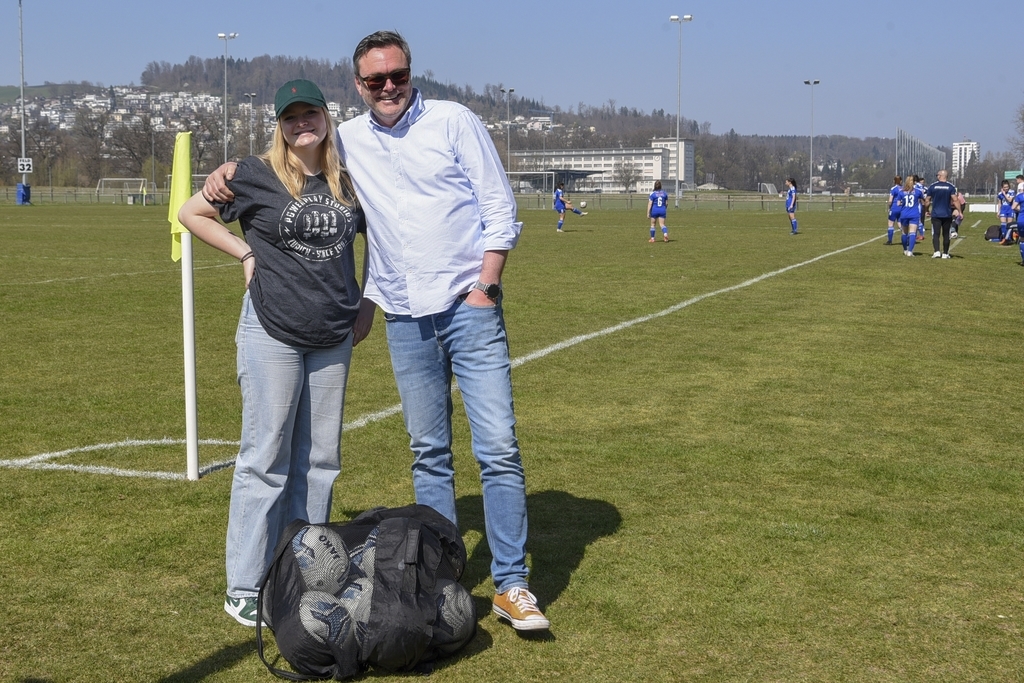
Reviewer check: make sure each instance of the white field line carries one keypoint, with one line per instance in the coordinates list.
(976, 223)
(42, 461)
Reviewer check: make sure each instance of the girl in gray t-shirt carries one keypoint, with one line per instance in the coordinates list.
(299, 219)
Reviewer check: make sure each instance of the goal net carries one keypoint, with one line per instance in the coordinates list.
(767, 188)
(198, 179)
(120, 189)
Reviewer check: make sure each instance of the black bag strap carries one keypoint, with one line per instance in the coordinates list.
(282, 546)
(280, 673)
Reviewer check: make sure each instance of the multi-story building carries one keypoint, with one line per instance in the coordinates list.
(963, 152)
(686, 179)
(606, 169)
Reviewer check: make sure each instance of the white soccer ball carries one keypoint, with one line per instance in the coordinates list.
(357, 598)
(322, 558)
(583, 204)
(364, 556)
(324, 617)
(456, 617)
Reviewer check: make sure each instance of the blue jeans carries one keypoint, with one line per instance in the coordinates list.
(290, 453)
(468, 342)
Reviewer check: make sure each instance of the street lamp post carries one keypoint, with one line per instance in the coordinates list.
(508, 123)
(810, 173)
(252, 115)
(21, 60)
(226, 37)
(679, 94)
(152, 156)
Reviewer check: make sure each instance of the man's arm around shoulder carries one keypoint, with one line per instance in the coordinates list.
(215, 189)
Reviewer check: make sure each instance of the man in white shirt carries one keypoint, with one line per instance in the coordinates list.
(441, 219)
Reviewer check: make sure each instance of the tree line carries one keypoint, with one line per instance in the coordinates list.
(98, 146)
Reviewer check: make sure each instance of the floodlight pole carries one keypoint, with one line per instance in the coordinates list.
(226, 37)
(252, 115)
(810, 174)
(21, 57)
(679, 94)
(508, 124)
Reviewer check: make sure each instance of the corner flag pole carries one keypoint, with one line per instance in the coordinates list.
(181, 249)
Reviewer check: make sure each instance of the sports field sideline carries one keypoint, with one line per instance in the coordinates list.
(749, 455)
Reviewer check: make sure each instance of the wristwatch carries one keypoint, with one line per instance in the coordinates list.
(491, 291)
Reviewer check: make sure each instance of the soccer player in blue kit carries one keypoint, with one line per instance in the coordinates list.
(791, 202)
(657, 209)
(919, 185)
(1018, 202)
(910, 215)
(894, 206)
(1005, 200)
(561, 203)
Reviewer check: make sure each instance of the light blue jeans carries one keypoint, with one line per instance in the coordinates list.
(468, 342)
(290, 454)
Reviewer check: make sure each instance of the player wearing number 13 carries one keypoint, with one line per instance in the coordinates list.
(657, 208)
(909, 199)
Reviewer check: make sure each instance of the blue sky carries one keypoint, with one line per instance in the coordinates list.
(921, 66)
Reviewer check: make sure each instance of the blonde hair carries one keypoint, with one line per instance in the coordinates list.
(908, 184)
(286, 167)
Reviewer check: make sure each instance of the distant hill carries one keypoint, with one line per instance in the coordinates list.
(730, 159)
(9, 94)
(264, 75)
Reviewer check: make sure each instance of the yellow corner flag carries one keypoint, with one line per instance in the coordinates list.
(181, 188)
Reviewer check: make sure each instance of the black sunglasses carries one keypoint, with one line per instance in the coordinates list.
(378, 81)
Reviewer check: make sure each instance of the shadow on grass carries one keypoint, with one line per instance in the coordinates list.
(222, 659)
(561, 528)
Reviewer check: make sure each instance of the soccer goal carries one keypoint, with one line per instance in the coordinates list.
(121, 190)
(767, 188)
(198, 180)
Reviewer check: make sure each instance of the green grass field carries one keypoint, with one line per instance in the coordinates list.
(815, 476)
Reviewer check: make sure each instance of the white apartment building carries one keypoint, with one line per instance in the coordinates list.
(962, 154)
(686, 180)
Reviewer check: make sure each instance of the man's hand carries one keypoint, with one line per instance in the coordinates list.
(479, 299)
(215, 189)
(364, 320)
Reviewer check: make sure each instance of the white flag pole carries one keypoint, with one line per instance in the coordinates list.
(189, 327)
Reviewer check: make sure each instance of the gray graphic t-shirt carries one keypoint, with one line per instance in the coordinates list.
(304, 289)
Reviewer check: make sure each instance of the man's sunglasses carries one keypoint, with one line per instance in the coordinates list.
(378, 81)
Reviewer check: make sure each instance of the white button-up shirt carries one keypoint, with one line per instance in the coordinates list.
(436, 198)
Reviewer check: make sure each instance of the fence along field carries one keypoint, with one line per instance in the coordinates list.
(803, 472)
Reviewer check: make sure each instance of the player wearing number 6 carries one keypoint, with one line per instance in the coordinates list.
(657, 208)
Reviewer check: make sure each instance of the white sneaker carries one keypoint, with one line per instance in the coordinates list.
(584, 213)
(937, 254)
(909, 253)
(945, 256)
(242, 609)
